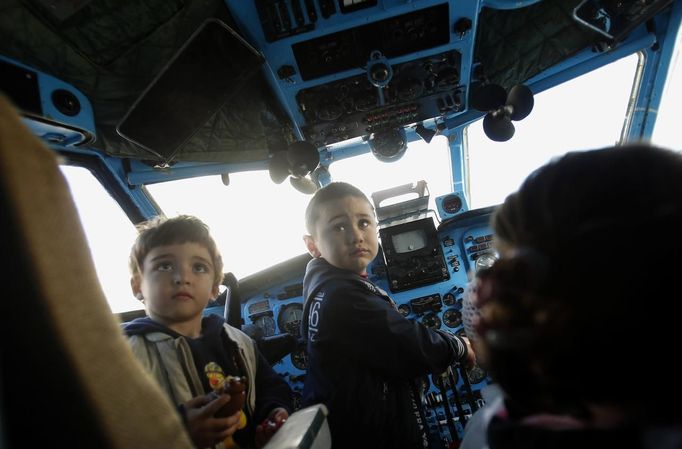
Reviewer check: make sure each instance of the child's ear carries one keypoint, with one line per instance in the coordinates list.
(136, 287)
(215, 292)
(312, 247)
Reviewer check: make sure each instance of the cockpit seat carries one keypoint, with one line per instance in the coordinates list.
(68, 377)
(275, 347)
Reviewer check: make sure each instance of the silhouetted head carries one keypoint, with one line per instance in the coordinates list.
(578, 313)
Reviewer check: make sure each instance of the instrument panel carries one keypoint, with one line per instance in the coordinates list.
(464, 243)
(345, 69)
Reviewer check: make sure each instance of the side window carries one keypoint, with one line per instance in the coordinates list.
(110, 235)
(666, 131)
(584, 113)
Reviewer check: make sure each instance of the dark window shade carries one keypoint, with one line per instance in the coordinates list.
(205, 73)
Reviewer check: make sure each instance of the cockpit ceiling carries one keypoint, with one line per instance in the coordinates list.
(111, 51)
(514, 45)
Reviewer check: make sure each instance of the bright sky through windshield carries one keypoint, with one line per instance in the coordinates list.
(258, 223)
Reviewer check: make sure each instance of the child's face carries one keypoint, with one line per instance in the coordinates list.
(176, 283)
(345, 234)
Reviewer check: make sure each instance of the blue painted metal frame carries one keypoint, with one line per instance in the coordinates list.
(656, 49)
(654, 76)
(280, 52)
(458, 168)
(115, 168)
(141, 173)
(508, 4)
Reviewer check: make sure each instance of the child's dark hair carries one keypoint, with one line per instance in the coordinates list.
(591, 239)
(161, 231)
(332, 191)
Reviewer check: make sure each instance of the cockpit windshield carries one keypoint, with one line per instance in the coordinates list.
(252, 218)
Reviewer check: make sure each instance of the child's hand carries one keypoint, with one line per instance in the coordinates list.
(266, 429)
(204, 428)
(470, 361)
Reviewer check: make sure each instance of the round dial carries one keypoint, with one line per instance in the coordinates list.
(452, 204)
(299, 358)
(289, 318)
(404, 309)
(452, 318)
(431, 320)
(267, 324)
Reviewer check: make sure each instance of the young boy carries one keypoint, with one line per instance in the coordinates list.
(176, 269)
(365, 358)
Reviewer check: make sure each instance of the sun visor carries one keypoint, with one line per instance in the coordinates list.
(208, 71)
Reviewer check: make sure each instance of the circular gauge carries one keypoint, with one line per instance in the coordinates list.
(449, 299)
(452, 318)
(267, 325)
(431, 320)
(404, 309)
(441, 381)
(299, 358)
(476, 374)
(452, 204)
(289, 318)
(485, 260)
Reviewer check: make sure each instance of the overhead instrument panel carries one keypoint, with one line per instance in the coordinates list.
(348, 68)
(395, 36)
(418, 90)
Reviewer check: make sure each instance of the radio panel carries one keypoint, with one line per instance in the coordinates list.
(413, 255)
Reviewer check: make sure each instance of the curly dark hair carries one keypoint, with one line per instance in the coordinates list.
(583, 293)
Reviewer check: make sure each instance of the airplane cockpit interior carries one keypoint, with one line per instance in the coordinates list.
(145, 95)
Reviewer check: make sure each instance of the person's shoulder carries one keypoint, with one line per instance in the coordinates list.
(344, 287)
(350, 294)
